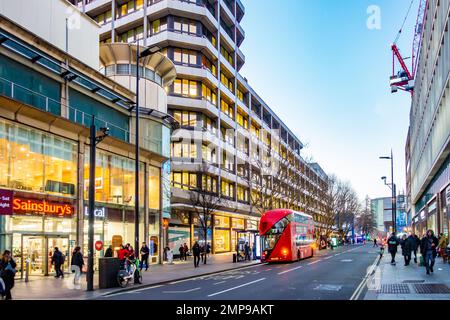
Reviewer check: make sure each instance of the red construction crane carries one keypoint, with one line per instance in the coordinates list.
(404, 79)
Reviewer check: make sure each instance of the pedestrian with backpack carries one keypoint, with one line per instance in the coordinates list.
(7, 273)
(393, 243)
(58, 259)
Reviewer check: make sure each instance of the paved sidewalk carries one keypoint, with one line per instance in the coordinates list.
(408, 283)
(50, 288)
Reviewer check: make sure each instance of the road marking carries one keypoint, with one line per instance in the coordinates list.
(347, 260)
(290, 270)
(214, 284)
(314, 262)
(234, 288)
(360, 287)
(328, 258)
(185, 291)
(337, 254)
(268, 269)
(176, 282)
(132, 291)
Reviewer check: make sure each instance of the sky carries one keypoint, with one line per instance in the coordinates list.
(325, 73)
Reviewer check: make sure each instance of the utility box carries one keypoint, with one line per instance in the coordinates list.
(107, 272)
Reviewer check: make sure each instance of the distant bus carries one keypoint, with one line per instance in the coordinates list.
(286, 235)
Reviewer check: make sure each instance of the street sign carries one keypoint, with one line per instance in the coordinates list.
(98, 245)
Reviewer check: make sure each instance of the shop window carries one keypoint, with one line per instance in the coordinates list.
(154, 194)
(32, 160)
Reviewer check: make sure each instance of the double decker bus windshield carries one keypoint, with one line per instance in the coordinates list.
(273, 235)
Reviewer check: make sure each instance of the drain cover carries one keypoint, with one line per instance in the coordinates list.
(413, 281)
(328, 287)
(433, 288)
(394, 289)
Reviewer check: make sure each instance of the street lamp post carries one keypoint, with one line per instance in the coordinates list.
(139, 56)
(394, 192)
(94, 140)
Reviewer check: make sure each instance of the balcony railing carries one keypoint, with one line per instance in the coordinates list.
(47, 104)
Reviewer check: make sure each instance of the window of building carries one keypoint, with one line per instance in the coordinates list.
(227, 135)
(158, 26)
(184, 150)
(131, 35)
(36, 161)
(242, 143)
(207, 64)
(184, 180)
(242, 120)
(209, 183)
(227, 109)
(184, 56)
(154, 194)
(209, 154)
(255, 130)
(242, 194)
(185, 118)
(104, 17)
(227, 189)
(209, 124)
(228, 162)
(185, 87)
(226, 55)
(240, 95)
(226, 82)
(185, 26)
(209, 94)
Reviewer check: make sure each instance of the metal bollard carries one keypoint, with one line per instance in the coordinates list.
(27, 269)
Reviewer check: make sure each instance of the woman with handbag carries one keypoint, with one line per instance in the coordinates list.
(8, 272)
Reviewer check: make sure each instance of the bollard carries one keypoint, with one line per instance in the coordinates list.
(27, 269)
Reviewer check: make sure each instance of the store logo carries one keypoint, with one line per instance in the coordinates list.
(34, 206)
(6, 198)
(98, 212)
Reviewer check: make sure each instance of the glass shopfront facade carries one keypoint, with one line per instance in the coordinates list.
(40, 172)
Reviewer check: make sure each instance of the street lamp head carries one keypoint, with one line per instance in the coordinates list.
(385, 158)
(105, 131)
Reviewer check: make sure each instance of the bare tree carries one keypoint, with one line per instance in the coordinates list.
(205, 202)
(365, 222)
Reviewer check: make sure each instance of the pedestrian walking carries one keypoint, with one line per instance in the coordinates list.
(443, 243)
(208, 250)
(185, 251)
(254, 251)
(203, 253)
(145, 252)
(428, 247)
(196, 254)
(407, 248)
(7, 273)
(181, 250)
(247, 252)
(58, 260)
(393, 243)
(77, 264)
(416, 246)
(375, 242)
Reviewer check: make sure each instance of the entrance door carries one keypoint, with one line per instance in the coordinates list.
(62, 243)
(33, 251)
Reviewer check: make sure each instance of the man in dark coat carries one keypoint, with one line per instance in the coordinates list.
(407, 248)
(145, 252)
(58, 260)
(196, 254)
(428, 247)
(7, 272)
(393, 243)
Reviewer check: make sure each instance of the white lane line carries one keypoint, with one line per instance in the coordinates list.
(185, 280)
(214, 284)
(328, 258)
(360, 288)
(133, 291)
(185, 291)
(268, 270)
(234, 288)
(290, 270)
(314, 262)
(337, 254)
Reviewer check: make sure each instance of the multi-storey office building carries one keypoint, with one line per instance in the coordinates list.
(48, 95)
(429, 136)
(227, 131)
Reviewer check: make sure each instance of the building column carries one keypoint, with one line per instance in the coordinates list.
(146, 209)
(80, 191)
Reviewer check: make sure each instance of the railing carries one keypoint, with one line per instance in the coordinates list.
(44, 103)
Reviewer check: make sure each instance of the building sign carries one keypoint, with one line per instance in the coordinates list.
(422, 215)
(6, 202)
(42, 207)
(98, 245)
(447, 195)
(98, 212)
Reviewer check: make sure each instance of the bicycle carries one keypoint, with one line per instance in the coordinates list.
(124, 276)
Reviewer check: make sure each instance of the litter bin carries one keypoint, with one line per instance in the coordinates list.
(234, 257)
(108, 269)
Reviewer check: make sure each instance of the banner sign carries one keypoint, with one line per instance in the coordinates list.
(6, 202)
(42, 207)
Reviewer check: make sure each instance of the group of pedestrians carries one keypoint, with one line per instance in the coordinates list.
(200, 252)
(429, 247)
(184, 249)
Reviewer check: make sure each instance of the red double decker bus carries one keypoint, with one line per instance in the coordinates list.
(286, 235)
